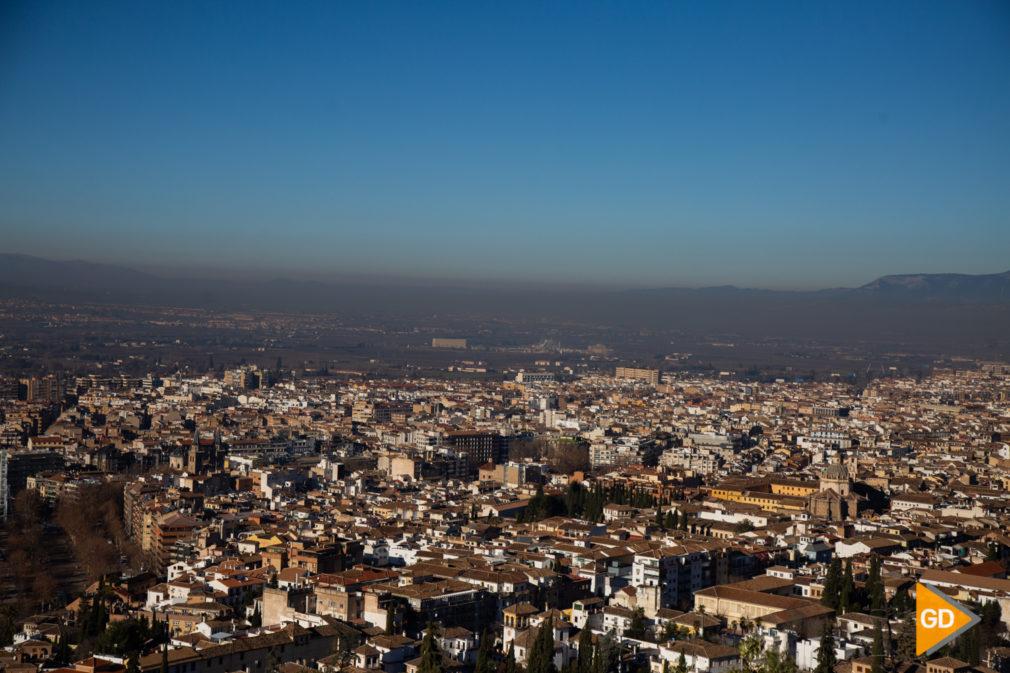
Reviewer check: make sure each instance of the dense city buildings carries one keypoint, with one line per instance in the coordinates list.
(259, 520)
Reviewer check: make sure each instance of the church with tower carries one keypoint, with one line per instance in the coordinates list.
(836, 499)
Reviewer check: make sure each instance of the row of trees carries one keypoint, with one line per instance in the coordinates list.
(95, 632)
(757, 659)
(589, 503)
(565, 456)
(27, 566)
(94, 522)
(583, 503)
(672, 520)
(541, 655)
(842, 595)
(603, 656)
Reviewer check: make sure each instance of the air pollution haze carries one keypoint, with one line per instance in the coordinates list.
(785, 146)
(504, 337)
(959, 313)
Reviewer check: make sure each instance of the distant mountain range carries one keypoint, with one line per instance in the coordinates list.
(950, 312)
(947, 287)
(993, 287)
(35, 274)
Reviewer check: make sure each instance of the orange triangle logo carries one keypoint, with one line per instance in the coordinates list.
(938, 619)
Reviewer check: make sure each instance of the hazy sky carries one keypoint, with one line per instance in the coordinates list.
(804, 144)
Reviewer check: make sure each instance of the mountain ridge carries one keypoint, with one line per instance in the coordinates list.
(21, 273)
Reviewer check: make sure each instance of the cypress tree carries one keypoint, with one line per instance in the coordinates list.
(848, 593)
(510, 661)
(164, 658)
(636, 629)
(832, 585)
(605, 659)
(84, 619)
(905, 646)
(875, 588)
(483, 664)
(542, 653)
(878, 650)
(133, 662)
(968, 646)
(256, 620)
(826, 659)
(62, 653)
(585, 651)
(431, 656)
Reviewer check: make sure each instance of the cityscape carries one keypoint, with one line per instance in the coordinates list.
(379, 337)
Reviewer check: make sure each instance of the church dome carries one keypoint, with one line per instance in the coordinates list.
(836, 472)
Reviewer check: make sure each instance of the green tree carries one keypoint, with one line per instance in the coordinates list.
(431, 655)
(878, 650)
(125, 636)
(745, 526)
(674, 632)
(133, 662)
(389, 619)
(875, 588)
(968, 646)
(826, 659)
(681, 664)
(541, 659)
(683, 521)
(84, 619)
(906, 640)
(62, 653)
(8, 620)
(510, 661)
(832, 585)
(585, 651)
(751, 649)
(249, 598)
(991, 627)
(847, 599)
(636, 629)
(272, 662)
(902, 604)
(776, 661)
(164, 659)
(606, 656)
(483, 664)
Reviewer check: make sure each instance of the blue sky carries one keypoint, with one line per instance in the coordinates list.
(771, 144)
